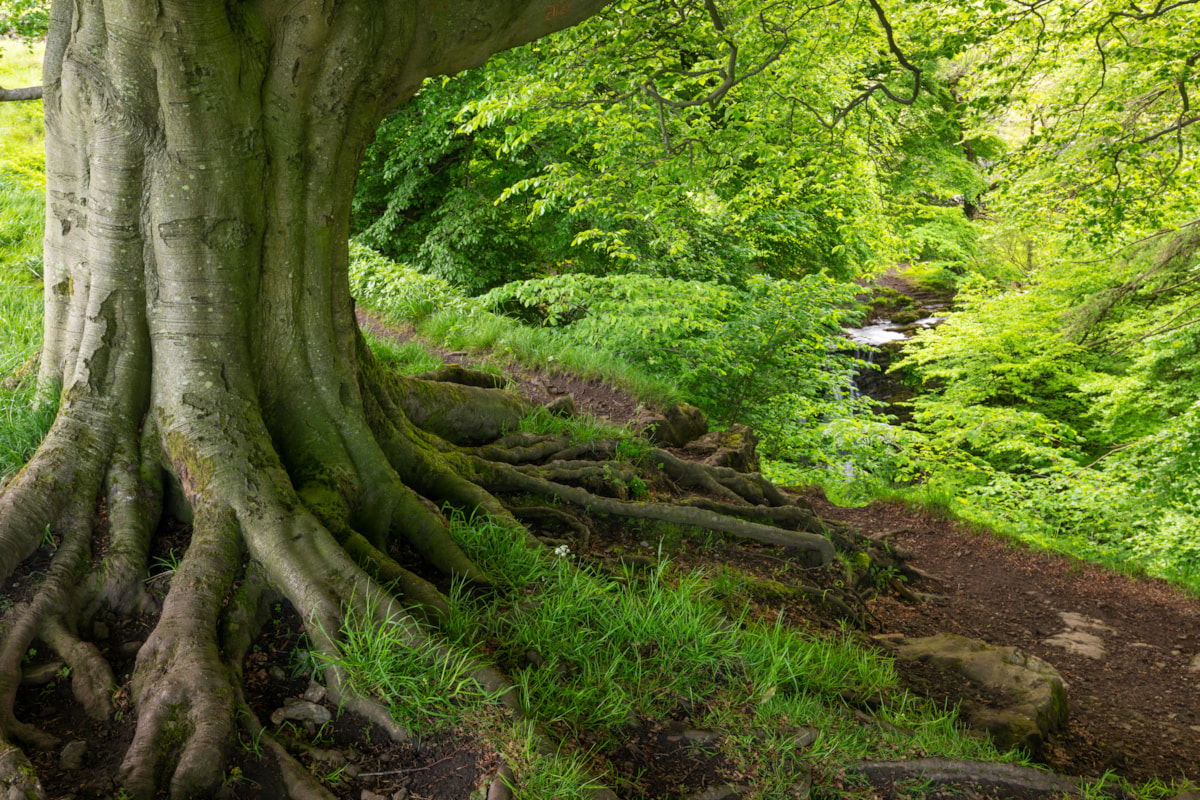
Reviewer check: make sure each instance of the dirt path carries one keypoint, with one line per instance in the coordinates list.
(1129, 649)
(1134, 697)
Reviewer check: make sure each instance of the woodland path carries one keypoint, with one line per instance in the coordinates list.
(1134, 695)
(1134, 709)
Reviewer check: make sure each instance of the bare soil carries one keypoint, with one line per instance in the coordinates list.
(1135, 712)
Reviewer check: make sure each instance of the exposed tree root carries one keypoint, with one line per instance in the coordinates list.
(818, 549)
(1007, 778)
(313, 516)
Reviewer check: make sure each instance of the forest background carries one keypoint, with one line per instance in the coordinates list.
(699, 197)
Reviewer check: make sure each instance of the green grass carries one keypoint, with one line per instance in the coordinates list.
(582, 429)
(443, 315)
(406, 358)
(24, 419)
(646, 644)
(421, 681)
(589, 652)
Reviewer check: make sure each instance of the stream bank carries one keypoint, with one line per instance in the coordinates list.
(898, 309)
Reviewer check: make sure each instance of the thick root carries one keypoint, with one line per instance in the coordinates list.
(818, 549)
(182, 690)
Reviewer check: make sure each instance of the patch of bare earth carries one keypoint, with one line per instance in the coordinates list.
(1128, 648)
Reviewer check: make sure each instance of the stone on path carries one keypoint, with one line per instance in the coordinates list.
(1039, 693)
(71, 757)
(1082, 635)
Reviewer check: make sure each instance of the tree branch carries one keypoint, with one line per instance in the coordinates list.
(28, 93)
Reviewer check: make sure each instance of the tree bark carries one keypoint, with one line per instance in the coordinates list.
(201, 160)
(27, 93)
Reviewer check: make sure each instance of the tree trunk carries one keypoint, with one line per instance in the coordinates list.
(201, 159)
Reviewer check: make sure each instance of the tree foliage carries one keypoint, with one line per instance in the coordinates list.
(688, 140)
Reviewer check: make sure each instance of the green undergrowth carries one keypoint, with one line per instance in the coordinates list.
(591, 653)
(23, 422)
(445, 316)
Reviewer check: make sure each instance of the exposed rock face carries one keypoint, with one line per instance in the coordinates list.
(734, 447)
(676, 425)
(1039, 695)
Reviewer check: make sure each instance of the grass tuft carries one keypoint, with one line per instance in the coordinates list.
(423, 682)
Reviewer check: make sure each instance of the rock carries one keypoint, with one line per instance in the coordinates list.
(367, 794)
(277, 674)
(562, 406)
(734, 447)
(675, 426)
(298, 710)
(805, 738)
(1039, 694)
(40, 674)
(1082, 636)
(1195, 665)
(907, 317)
(71, 757)
(1081, 643)
(402, 794)
(315, 692)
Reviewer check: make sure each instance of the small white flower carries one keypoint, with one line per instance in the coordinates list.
(562, 551)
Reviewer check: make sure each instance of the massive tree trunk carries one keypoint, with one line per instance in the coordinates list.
(201, 159)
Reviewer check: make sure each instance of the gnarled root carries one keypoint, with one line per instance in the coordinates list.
(316, 517)
(817, 549)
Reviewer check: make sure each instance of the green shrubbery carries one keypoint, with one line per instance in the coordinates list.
(1065, 411)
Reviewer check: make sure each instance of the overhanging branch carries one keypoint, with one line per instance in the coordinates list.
(28, 93)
